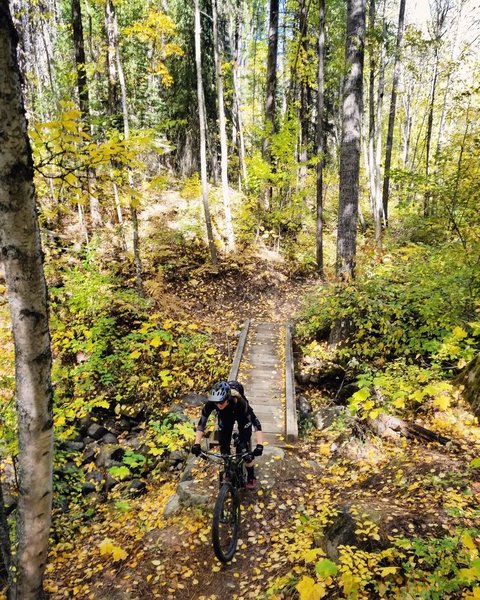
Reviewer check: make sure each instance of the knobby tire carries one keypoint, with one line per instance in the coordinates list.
(226, 523)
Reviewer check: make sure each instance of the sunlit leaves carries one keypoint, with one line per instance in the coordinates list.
(108, 548)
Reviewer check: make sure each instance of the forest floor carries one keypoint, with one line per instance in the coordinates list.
(376, 492)
(129, 550)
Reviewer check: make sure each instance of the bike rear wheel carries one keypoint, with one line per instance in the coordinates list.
(226, 523)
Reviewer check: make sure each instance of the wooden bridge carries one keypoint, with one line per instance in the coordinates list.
(263, 363)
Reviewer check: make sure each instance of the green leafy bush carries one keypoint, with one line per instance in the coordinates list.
(419, 303)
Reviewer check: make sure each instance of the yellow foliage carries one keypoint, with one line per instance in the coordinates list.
(309, 590)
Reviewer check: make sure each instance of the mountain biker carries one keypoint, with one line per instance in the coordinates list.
(229, 401)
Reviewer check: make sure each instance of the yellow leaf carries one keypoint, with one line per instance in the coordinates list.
(459, 333)
(155, 342)
(373, 414)
(399, 403)
(210, 351)
(388, 571)
(467, 541)
(135, 354)
(106, 546)
(168, 324)
(118, 553)
(309, 590)
(443, 402)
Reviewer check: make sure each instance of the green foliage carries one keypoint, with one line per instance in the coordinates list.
(413, 305)
(112, 352)
(169, 434)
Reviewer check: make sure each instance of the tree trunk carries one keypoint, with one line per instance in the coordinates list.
(203, 143)
(392, 112)
(350, 145)
(116, 82)
(469, 379)
(237, 95)
(27, 296)
(428, 136)
(270, 104)
(320, 136)
(223, 132)
(84, 102)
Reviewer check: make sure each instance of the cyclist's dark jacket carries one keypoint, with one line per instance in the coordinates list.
(237, 409)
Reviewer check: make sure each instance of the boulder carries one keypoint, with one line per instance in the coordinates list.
(193, 493)
(304, 408)
(96, 431)
(194, 399)
(109, 455)
(173, 506)
(324, 417)
(109, 438)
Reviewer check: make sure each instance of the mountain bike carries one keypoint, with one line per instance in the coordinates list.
(226, 513)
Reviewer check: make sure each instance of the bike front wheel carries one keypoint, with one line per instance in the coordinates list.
(226, 523)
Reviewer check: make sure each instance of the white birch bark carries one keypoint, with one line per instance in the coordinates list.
(223, 133)
(27, 295)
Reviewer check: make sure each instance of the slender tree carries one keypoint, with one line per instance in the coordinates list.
(84, 100)
(21, 254)
(270, 103)
(223, 131)
(393, 110)
(118, 101)
(350, 144)
(320, 135)
(203, 142)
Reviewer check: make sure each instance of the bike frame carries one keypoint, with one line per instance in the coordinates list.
(232, 467)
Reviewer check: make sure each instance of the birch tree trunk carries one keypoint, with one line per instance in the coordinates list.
(223, 132)
(351, 140)
(393, 110)
(118, 81)
(237, 93)
(27, 296)
(320, 136)
(203, 142)
(375, 129)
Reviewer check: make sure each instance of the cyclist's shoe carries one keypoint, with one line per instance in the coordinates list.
(251, 484)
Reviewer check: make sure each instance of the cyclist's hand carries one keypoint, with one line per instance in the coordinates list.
(196, 449)
(258, 451)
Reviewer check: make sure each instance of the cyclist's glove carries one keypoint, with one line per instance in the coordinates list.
(196, 449)
(258, 451)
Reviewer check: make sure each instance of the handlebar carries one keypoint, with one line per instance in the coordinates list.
(223, 457)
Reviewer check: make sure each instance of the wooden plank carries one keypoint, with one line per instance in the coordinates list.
(291, 425)
(239, 351)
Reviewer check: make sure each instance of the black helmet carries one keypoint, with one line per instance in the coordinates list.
(236, 385)
(220, 392)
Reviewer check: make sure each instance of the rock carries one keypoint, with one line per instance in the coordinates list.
(109, 438)
(173, 506)
(194, 399)
(88, 488)
(137, 487)
(109, 455)
(324, 417)
(339, 533)
(95, 477)
(191, 493)
(96, 431)
(84, 423)
(304, 408)
(89, 454)
(177, 456)
(75, 446)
